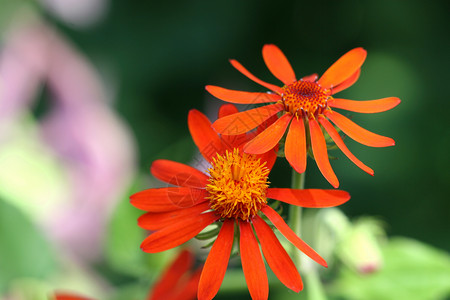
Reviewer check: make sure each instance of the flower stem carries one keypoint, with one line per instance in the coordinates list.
(295, 214)
(315, 289)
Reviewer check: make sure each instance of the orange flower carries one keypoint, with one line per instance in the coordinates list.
(177, 283)
(303, 103)
(233, 193)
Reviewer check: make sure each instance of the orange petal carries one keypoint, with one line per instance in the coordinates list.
(155, 221)
(368, 107)
(165, 199)
(252, 263)
(278, 64)
(247, 120)
(340, 143)
(270, 137)
(68, 296)
(309, 197)
(172, 275)
(206, 139)
(178, 233)
(310, 78)
(295, 146)
(244, 71)
(319, 148)
(226, 110)
(346, 83)
(241, 97)
(289, 234)
(217, 262)
(188, 289)
(276, 257)
(178, 174)
(358, 133)
(343, 68)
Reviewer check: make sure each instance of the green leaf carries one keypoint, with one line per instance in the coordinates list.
(24, 252)
(412, 270)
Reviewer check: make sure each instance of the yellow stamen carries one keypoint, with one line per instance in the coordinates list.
(237, 185)
(304, 97)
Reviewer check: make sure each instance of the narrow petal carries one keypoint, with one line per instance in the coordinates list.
(340, 143)
(178, 233)
(295, 146)
(368, 106)
(358, 133)
(270, 157)
(241, 97)
(178, 174)
(289, 234)
(155, 221)
(244, 71)
(310, 78)
(252, 263)
(172, 275)
(217, 262)
(276, 257)
(343, 68)
(309, 197)
(278, 64)
(247, 120)
(270, 137)
(188, 290)
(165, 199)
(346, 83)
(206, 139)
(319, 148)
(231, 141)
(68, 296)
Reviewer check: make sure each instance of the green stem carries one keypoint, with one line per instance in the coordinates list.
(314, 287)
(295, 214)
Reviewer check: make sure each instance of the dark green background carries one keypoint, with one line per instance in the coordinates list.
(163, 53)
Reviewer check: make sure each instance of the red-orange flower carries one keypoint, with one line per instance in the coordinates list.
(303, 103)
(178, 282)
(234, 194)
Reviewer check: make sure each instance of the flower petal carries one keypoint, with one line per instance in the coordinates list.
(231, 141)
(165, 199)
(244, 71)
(343, 68)
(178, 233)
(206, 139)
(310, 78)
(172, 275)
(368, 107)
(278, 64)
(241, 97)
(178, 174)
(358, 133)
(155, 221)
(216, 263)
(252, 263)
(226, 110)
(319, 148)
(270, 137)
(346, 83)
(289, 234)
(276, 257)
(67, 296)
(187, 289)
(247, 120)
(309, 197)
(340, 143)
(295, 146)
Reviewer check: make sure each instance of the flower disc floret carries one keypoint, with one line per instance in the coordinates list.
(237, 185)
(304, 97)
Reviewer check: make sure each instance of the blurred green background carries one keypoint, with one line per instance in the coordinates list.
(156, 57)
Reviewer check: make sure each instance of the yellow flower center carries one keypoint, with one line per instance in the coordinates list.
(237, 185)
(304, 97)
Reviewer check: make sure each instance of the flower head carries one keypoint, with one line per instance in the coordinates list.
(304, 105)
(232, 193)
